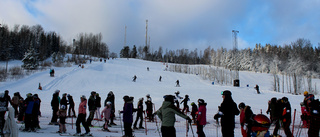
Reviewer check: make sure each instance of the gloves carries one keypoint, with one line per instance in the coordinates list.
(101, 116)
(189, 120)
(216, 116)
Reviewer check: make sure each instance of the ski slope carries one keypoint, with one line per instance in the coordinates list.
(116, 75)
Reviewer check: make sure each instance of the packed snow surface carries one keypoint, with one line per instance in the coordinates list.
(116, 75)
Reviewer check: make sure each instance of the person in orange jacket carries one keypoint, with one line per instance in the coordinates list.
(82, 117)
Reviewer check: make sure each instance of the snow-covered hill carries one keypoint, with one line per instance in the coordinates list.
(116, 75)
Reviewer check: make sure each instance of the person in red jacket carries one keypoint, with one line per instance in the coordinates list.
(202, 117)
(82, 117)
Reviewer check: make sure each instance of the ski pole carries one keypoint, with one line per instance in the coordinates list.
(191, 129)
(187, 126)
(145, 123)
(294, 118)
(120, 123)
(217, 127)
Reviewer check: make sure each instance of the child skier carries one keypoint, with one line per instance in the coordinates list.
(139, 115)
(62, 114)
(185, 104)
(106, 112)
(194, 110)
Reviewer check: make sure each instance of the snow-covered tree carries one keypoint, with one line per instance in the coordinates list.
(30, 60)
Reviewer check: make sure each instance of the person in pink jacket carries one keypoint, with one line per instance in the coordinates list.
(106, 113)
(202, 117)
(82, 117)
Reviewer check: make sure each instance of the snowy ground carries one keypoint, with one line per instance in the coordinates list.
(116, 75)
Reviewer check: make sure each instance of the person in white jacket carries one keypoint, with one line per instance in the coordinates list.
(11, 128)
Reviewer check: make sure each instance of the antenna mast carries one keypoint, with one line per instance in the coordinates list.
(146, 32)
(125, 35)
(235, 39)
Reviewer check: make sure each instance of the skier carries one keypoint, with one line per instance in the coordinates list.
(15, 103)
(11, 127)
(134, 78)
(111, 98)
(194, 110)
(185, 104)
(55, 107)
(52, 72)
(3, 109)
(127, 115)
(177, 83)
(71, 106)
(36, 111)
(314, 119)
(160, 79)
(246, 121)
(7, 98)
(139, 115)
(62, 114)
(29, 120)
(227, 111)
(98, 105)
(106, 113)
(64, 100)
(202, 117)
(304, 115)
(82, 117)
(149, 109)
(177, 98)
(167, 115)
(272, 105)
(92, 108)
(257, 88)
(22, 109)
(284, 110)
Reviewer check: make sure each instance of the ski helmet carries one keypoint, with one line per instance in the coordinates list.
(57, 91)
(29, 95)
(186, 96)
(261, 123)
(108, 103)
(63, 107)
(177, 92)
(148, 95)
(305, 93)
(192, 103)
(241, 105)
(140, 99)
(285, 99)
(226, 92)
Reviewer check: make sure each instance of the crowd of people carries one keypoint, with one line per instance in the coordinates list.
(27, 111)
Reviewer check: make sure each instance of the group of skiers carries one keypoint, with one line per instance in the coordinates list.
(28, 111)
(59, 108)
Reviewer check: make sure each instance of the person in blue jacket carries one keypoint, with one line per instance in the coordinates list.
(127, 115)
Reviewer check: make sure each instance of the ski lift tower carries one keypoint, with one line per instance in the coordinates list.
(236, 81)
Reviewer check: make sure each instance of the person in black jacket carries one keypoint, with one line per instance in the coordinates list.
(64, 100)
(139, 115)
(98, 105)
(92, 107)
(286, 116)
(55, 107)
(314, 118)
(71, 106)
(227, 111)
(111, 98)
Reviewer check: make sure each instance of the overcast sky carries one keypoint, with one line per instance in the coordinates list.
(172, 24)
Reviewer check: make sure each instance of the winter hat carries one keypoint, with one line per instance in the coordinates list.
(226, 92)
(241, 105)
(169, 98)
(140, 99)
(305, 93)
(186, 96)
(131, 98)
(177, 92)
(68, 95)
(285, 99)
(57, 91)
(200, 101)
(35, 96)
(83, 96)
(64, 94)
(126, 98)
(192, 103)
(93, 92)
(29, 95)
(148, 95)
